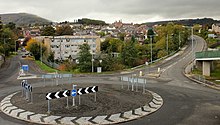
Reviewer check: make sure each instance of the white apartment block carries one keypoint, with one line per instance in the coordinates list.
(66, 46)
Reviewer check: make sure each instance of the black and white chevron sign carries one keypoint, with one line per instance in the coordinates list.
(57, 95)
(87, 90)
(26, 86)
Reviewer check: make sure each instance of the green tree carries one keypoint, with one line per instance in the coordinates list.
(129, 54)
(48, 31)
(11, 26)
(112, 45)
(85, 58)
(51, 57)
(121, 36)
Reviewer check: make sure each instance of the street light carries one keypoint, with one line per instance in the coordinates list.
(151, 50)
(92, 63)
(192, 49)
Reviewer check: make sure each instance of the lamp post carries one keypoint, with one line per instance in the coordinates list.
(151, 51)
(192, 50)
(41, 52)
(92, 63)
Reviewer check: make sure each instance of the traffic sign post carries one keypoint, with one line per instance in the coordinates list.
(74, 94)
(27, 90)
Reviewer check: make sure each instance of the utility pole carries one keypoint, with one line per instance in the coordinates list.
(167, 44)
(179, 41)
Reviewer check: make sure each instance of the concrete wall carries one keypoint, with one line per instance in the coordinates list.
(206, 66)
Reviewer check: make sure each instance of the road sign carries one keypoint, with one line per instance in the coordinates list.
(87, 90)
(57, 95)
(25, 85)
(74, 93)
(25, 67)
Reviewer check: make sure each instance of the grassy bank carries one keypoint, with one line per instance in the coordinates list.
(44, 67)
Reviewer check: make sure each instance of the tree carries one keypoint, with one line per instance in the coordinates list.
(35, 48)
(64, 30)
(112, 45)
(85, 58)
(129, 54)
(51, 57)
(48, 31)
(11, 26)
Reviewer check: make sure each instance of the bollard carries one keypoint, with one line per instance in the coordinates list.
(48, 106)
(95, 96)
(67, 102)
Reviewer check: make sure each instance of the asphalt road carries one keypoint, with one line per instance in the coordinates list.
(185, 102)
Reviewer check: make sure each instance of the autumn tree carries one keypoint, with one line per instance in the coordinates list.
(64, 30)
(36, 47)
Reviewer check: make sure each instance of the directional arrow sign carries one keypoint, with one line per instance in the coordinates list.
(57, 95)
(74, 92)
(48, 96)
(87, 90)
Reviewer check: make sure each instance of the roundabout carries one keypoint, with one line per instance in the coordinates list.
(128, 105)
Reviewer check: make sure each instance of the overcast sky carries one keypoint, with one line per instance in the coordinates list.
(137, 11)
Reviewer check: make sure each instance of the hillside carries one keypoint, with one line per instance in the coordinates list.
(187, 22)
(23, 19)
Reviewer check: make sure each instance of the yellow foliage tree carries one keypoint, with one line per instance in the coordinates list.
(29, 43)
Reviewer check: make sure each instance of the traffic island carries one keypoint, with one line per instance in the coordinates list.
(112, 105)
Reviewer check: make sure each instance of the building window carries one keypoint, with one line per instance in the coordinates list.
(67, 40)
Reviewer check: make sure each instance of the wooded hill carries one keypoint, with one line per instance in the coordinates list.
(187, 22)
(23, 19)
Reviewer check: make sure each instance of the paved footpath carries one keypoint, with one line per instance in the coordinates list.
(25, 115)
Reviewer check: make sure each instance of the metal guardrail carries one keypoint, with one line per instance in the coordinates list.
(134, 82)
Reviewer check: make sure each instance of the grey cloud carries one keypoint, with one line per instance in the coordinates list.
(67, 9)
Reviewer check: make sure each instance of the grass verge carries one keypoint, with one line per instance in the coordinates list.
(44, 67)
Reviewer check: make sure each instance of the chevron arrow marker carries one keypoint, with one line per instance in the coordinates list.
(57, 95)
(79, 91)
(65, 93)
(48, 96)
(86, 90)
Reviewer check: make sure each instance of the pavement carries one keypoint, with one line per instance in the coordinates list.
(12, 110)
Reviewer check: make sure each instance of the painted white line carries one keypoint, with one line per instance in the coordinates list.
(37, 117)
(67, 120)
(129, 115)
(24, 115)
(4, 106)
(14, 113)
(116, 118)
(147, 108)
(8, 109)
(84, 121)
(140, 112)
(101, 120)
(51, 119)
